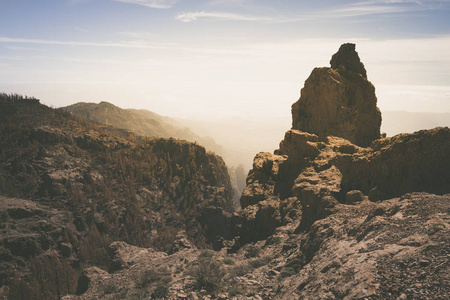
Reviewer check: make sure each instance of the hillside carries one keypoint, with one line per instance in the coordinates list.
(70, 188)
(140, 122)
(149, 124)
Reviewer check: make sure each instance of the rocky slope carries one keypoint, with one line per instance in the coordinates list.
(69, 189)
(393, 249)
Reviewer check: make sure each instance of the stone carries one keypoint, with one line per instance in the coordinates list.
(222, 296)
(181, 242)
(66, 249)
(89, 275)
(353, 197)
(261, 179)
(339, 101)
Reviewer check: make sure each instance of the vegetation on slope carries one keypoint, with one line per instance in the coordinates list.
(138, 190)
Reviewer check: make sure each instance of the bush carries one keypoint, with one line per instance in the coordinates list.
(207, 253)
(228, 261)
(153, 276)
(160, 292)
(259, 262)
(208, 273)
(251, 251)
(240, 270)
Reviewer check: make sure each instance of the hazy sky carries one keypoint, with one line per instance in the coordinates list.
(214, 59)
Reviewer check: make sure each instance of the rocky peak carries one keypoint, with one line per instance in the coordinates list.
(347, 59)
(339, 101)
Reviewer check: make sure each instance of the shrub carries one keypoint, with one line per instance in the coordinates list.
(240, 270)
(207, 253)
(251, 251)
(160, 292)
(259, 262)
(274, 240)
(207, 272)
(153, 276)
(228, 261)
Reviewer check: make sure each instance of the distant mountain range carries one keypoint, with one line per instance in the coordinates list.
(140, 122)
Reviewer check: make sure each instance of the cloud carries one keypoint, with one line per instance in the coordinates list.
(194, 16)
(21, 48)
(358, 9)
(163, 4)
(227, 2)
(363, 10)
(91, 44)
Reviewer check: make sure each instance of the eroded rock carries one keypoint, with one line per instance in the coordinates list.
(339, 101)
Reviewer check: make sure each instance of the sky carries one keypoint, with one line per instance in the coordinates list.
(217, 59)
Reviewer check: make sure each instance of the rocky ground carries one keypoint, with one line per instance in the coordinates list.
(394, 249)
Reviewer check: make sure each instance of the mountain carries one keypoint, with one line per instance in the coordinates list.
(149, 124)
(68, 189)
(140, 122)
(337, 212)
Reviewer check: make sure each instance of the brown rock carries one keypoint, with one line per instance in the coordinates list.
(181, 242)
(401, 164)
(339, 101)
(261, 179)
(353, 197)
(347, 60)
(259, 221)
(92, 274)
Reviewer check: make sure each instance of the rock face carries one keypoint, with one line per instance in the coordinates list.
(326, 159)
(339, 101)
(394, 166)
